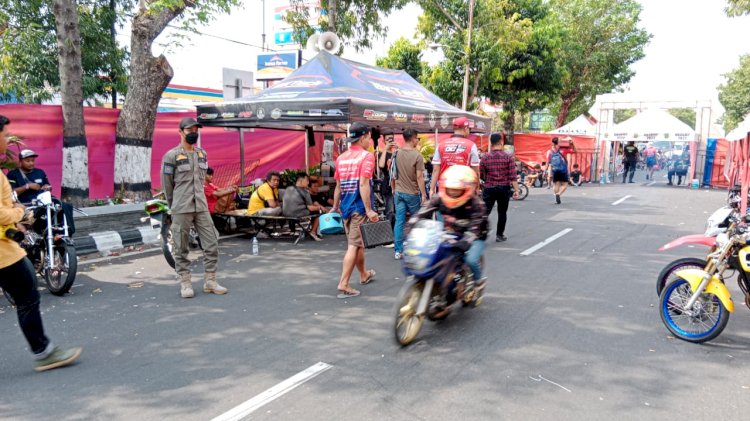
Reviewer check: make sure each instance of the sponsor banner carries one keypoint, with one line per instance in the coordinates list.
(418, 118)
(373, 115)
(400, 117)
(276, 65)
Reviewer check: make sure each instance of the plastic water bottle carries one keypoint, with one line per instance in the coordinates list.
(255, 246)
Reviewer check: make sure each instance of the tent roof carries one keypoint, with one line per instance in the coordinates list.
(740, 132)
(580, 126)
(652, 125)
(329, 92)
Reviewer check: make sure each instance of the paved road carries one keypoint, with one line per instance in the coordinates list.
(568, 332)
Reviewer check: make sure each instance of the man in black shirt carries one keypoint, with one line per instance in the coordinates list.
(27, 180)
(630, 160)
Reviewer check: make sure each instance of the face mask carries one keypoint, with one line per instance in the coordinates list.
(191, 138)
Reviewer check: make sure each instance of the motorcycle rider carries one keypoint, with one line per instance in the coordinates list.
(18, 278)
(463, 213)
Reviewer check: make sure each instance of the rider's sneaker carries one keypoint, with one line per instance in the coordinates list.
(397, 256)
(58, 358)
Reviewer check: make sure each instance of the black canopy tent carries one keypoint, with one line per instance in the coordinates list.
(328, 93)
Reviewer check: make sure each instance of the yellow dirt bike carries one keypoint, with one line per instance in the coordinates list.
(695, 306)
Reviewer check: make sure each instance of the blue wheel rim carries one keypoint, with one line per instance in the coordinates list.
(674, 326)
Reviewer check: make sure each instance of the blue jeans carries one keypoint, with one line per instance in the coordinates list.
(473, 257)
(404, 203)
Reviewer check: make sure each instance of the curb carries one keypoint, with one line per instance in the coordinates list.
(106, 241)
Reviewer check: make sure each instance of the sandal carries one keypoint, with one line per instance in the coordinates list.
(370, 277)
(344, 293)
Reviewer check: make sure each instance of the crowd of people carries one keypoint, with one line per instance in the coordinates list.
(653, 159)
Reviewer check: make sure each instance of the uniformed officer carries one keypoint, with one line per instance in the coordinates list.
(182, 176)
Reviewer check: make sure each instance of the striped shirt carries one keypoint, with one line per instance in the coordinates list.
(350, 167)
(498, 169)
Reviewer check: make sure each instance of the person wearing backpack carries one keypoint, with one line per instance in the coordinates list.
(557, 157)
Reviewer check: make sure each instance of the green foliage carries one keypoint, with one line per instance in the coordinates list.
(601, 40)
(357, 23)
(737, 7)
(426, 146)
(28, 50)
(734, 94)
(404, 55)
(9, 161)
(622, 115)
(686, 115)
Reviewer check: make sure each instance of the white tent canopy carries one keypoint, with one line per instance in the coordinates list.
(652, 125)
(579, 126)
(741, 131)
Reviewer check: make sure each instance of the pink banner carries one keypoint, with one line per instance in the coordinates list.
(40, 126)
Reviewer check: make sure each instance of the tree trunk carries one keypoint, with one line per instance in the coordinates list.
(509, 120)
(149, 76)
(75, 176)
(332, 9)
(567, 102)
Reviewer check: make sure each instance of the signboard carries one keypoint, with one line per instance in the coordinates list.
(282, 30)
(274, 66)
(237, 83)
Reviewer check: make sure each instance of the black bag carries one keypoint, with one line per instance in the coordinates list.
(376, 234)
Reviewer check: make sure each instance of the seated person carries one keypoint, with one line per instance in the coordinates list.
(299, 204)
(326, 201)
(214, 194)
(265, 199)
(533, 175)
(29, 182)
(575, 176)
(462, 211)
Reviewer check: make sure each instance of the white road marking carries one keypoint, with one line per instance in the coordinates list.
(246, 408)
(621, 200)
(651, 183)
(545, 242)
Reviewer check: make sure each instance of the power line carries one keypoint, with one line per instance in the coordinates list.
(221, 38)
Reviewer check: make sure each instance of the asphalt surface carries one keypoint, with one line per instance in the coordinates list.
(569, 332)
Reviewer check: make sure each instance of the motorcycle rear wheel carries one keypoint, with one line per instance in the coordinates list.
(407, 323)
(668, 274)
(709, 321)
(65, 266)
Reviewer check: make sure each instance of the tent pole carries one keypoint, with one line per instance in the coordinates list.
(307, 151)
(242, 157)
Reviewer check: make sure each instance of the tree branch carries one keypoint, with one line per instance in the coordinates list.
(446, 14)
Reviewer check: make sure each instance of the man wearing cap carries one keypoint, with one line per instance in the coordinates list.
(353, 199)
(458, 150)
(182, 178)
(27, 180)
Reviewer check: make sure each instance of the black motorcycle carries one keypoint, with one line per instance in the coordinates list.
(48, 244)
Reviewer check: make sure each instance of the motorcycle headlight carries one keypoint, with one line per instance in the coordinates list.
(416, 262)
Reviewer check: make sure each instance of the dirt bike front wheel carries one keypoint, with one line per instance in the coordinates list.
(707, 318)
(64, 268)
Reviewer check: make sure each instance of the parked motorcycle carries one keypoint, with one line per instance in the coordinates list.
(43, 234)
(695, 307)
(160, 218)
(436, 279)
(718, 223)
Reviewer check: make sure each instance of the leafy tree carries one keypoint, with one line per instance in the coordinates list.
(625, 114)
(686, 115)
(28, 50)
(601, 39)
(734, 94)
(404, 55)
(75, 182)
(148, 78)
(357, 23)
(737, 7)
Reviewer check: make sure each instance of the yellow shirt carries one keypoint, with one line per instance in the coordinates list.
(264, 192)
(10, 251)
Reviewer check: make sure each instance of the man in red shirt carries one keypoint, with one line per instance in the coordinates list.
(213, 192)
(557, 158)
(498, 171)
(353, 199)
(458, 150)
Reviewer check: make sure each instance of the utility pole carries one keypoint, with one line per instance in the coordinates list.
(113, 34)
(468, 56)
(264, 25)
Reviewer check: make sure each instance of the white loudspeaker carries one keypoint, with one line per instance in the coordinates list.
(329, 41)
(312, 43)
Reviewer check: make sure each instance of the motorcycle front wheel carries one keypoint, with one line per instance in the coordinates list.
(709, 316)
(523, 191)
(167, 244)
(669, 273)
(64, 268)
(9, 298)
(407, 323)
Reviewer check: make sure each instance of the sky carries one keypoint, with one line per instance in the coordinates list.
(694, 43)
